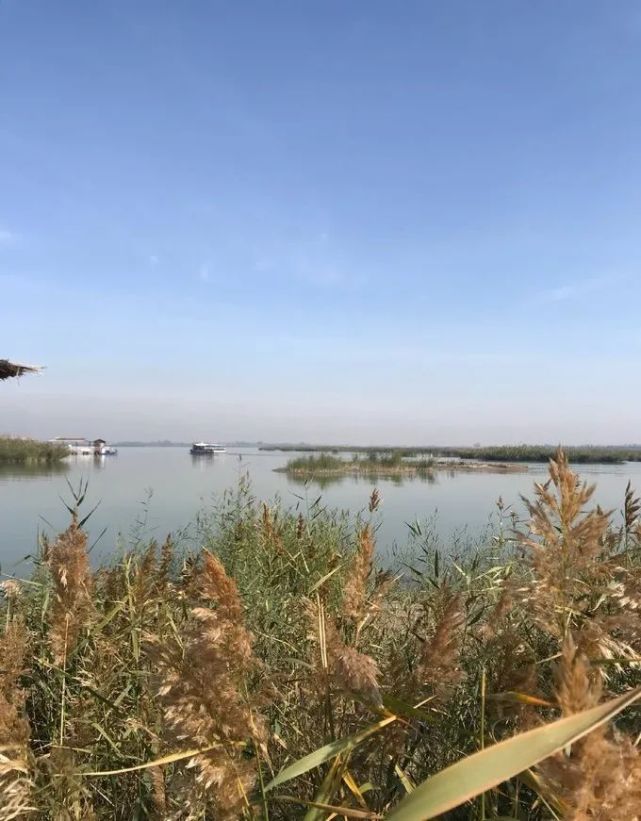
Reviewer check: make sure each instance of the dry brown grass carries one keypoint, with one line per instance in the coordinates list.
(15, 782)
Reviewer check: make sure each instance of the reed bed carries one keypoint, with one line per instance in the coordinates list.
(21, 451)
(586, 454)
(278, 672)
(373, 465)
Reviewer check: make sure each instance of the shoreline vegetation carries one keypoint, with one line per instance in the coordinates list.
(597, 454)
(272, 667)
(507, 454)
(15, 451)
(386, 466)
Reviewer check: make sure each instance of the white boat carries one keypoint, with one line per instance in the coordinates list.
(106, 450)
(206, 449)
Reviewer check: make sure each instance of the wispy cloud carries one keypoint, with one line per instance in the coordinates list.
(312, 260)
(575, 290)
(153, 260)
(6, 237)
(203, 273)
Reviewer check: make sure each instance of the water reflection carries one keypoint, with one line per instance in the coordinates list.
(203, 461)
(30, 469)
(183, 487)
(96, 461)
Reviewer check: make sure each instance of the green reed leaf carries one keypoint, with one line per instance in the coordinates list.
(486, 769)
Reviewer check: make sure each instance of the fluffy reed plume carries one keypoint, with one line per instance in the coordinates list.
(510, 660)
(578, 576)
(336, 664)
(576, 689)
(631, 509)
(148, 577)
(166, 563)
(504, 604)
(68, 564)
(355, 593)
(495, 622)
(600, 777)
(271, 536)
(568, 549)
(15, 781)
(342, 665)
(202, 694)
(438, 667)
(513, 669)
(11, 589)
(351, 671)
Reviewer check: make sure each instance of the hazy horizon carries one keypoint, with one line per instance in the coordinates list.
(363, 223)
(127, 424)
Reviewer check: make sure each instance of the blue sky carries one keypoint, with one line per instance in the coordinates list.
(364, 221)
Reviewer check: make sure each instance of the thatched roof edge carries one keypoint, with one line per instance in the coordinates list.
(10, 369)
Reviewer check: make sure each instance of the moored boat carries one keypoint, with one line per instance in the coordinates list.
(206, 449)
(101, 448)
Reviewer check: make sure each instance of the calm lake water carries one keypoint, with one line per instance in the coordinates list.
(166, 488)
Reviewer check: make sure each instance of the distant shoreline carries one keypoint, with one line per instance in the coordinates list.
(166, 443)
(161, 444)
(503, 454)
